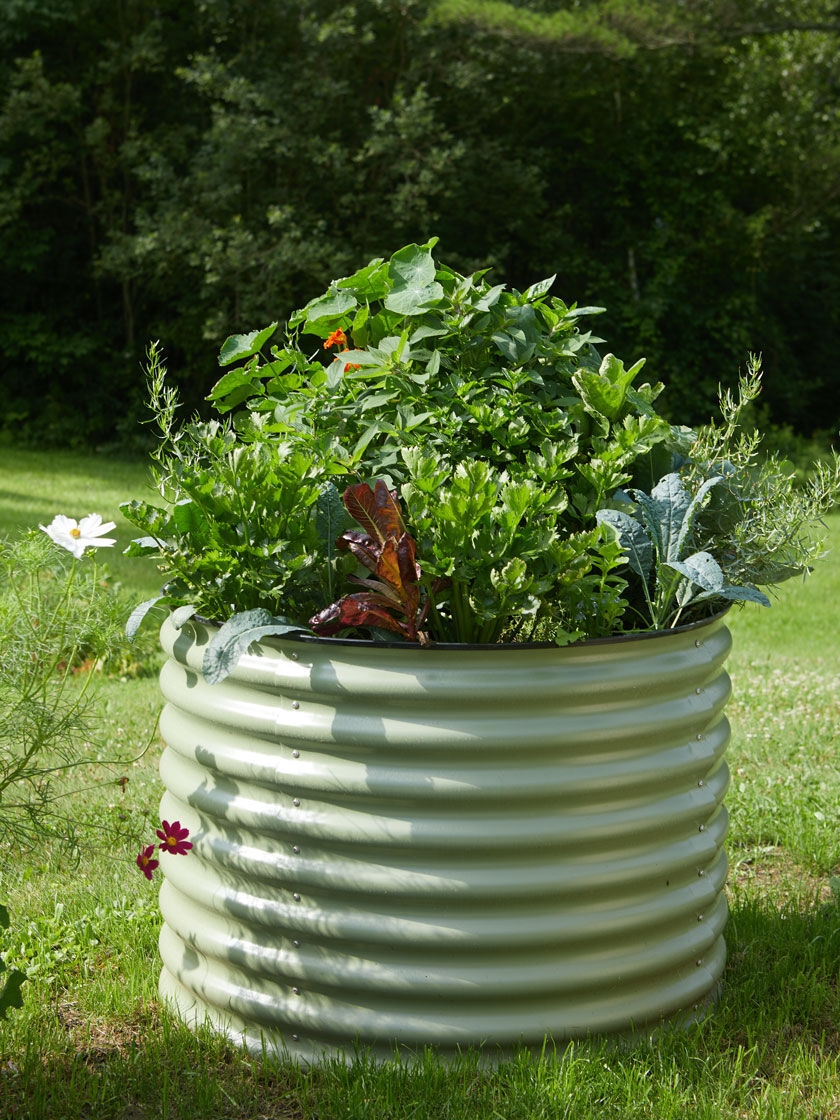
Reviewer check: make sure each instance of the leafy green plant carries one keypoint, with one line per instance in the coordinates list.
(658, 543)
(508, 439)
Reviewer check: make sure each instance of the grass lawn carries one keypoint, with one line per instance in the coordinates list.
(92, 1040)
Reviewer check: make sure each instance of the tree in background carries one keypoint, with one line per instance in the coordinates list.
(191, 168)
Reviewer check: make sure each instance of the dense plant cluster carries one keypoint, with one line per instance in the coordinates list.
(543, 493)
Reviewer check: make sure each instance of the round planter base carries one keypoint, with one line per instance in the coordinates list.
(402, 848)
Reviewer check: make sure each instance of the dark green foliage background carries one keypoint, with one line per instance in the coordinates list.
(190, 168)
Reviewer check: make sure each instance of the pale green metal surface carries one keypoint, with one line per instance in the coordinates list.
(445, 846)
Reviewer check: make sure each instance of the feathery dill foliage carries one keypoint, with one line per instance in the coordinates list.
(58, 620)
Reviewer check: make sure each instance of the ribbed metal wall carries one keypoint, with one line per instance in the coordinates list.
(449, 847)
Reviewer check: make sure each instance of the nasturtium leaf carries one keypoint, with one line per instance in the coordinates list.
(412, 271)
(238, 347)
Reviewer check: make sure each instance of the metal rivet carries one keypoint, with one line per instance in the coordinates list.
(699, 964)
(295, 1038)
(296, 801)
(699, 691)
(296, 944)
(294, 656)
(699, 917)
(701, 873)
(695, 1006)
(698, 643)
(699, 738)
(296, 849)
(702, 828)
(295, 704)
(295, 991)
(700, 783)
(296, 897)
(295, 754)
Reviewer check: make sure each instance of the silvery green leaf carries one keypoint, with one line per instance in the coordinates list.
(697, 503)
(672, 502)
(632, 538)
(330, 519)
(137, 616)
(738, 595)
(236, 635)
(181, 615)
(701, 569)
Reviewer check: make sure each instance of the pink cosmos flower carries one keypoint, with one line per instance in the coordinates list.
(174, 838)
(145, 862)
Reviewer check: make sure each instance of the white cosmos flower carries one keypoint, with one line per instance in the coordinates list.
(76, 536)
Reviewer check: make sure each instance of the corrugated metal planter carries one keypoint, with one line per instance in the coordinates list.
(450, 846)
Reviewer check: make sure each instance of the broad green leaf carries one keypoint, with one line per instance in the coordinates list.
(238, 347)
(229, 382)
(376, 400)
(540, 288)
(335, 373)
(579, 312)
(490, 298)
(368, 283)
(603, 393)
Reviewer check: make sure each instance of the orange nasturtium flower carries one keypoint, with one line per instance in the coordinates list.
(337, 338)
(348, 365)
